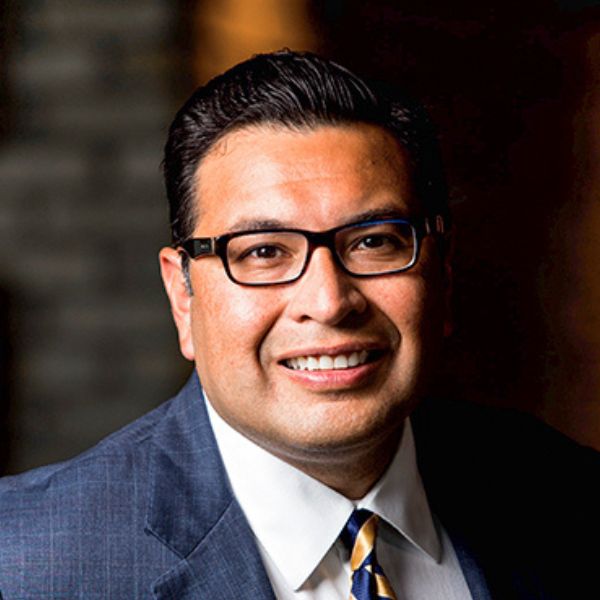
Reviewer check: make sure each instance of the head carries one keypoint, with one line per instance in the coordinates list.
(290, 140)
(295, 91)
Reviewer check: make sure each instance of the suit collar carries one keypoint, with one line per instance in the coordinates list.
(189, 489)
(192, 511)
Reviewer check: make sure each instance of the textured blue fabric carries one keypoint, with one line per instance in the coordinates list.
(145, 514)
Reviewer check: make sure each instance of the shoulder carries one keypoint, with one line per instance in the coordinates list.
(524, 495)
(80, 524)
(120, 453)
(504, 442)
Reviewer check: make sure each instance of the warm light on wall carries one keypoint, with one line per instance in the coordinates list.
(229, 31)
(573, 291)
(581, 320)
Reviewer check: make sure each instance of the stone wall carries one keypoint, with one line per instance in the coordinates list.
(82, 216)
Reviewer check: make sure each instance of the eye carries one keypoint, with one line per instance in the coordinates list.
(379, 241)
(266, 250)
(263, 252)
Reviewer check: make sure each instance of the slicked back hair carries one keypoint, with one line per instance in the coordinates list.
(297, 90)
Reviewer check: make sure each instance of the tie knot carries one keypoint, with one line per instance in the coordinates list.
(359, 536)
(368, 580)
(355, 523)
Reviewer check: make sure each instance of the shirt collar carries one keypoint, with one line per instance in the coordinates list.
(399, 498)
(297, 519)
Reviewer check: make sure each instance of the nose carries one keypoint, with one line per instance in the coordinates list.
(325, 293)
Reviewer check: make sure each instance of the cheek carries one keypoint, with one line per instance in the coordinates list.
(405, 304)
(412, 308)
(230, 319)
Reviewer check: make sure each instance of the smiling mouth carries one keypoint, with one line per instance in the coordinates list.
(327, 362)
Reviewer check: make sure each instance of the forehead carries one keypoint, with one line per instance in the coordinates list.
(310, 178)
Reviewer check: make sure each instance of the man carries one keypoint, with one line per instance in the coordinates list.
(309, 283)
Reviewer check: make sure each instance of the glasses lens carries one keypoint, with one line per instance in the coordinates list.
(380, 247)
(266, 257)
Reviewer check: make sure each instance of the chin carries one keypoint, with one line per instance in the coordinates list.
(332, 433)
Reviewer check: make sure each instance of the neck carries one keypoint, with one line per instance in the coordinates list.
(351, 473)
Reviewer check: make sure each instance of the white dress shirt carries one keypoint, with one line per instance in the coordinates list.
(297, 521)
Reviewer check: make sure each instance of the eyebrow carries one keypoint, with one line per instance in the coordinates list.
(385, 212)
(257, 224)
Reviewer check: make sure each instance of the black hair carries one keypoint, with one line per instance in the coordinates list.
(297, 90)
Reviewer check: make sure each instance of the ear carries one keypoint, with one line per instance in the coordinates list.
(179, 296)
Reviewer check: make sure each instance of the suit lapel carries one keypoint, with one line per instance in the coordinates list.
(471, 569)
(224, 566)
(469, 479)
(497, 581)
(192, 511)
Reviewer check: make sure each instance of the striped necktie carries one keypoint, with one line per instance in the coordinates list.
(368, 579)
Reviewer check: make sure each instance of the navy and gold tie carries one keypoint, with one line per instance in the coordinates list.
(368, 579)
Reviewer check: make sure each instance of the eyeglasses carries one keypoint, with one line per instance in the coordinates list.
(277, 256)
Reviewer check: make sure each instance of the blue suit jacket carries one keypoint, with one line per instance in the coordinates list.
(148, 513)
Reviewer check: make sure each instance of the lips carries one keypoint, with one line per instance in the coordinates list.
(334, 369)
(326, 362)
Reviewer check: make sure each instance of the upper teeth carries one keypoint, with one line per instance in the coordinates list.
(326, 361)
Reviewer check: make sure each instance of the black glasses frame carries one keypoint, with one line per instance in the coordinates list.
(217, 246)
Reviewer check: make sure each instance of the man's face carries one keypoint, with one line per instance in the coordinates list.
(242, 338)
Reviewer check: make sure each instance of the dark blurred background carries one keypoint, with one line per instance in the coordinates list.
(87, 91)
